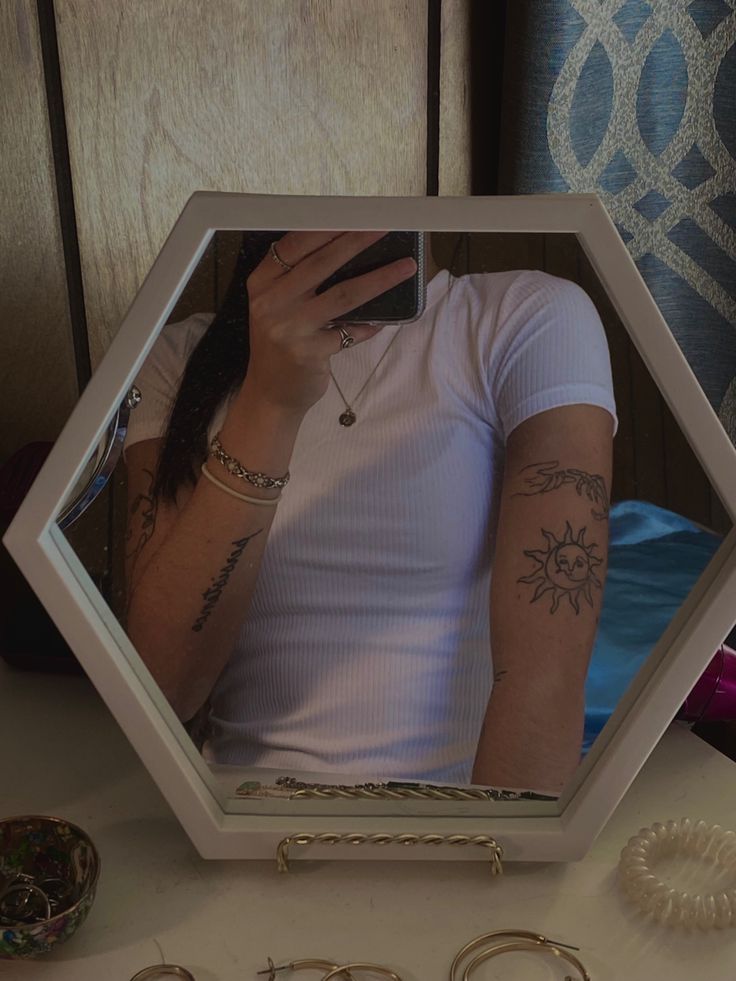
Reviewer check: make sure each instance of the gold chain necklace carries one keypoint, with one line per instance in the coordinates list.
(348, 417)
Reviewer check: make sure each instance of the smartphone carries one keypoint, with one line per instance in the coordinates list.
(401, 304)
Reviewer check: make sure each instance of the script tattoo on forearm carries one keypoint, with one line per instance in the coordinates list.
(212, 594)
(545, 477)
(566, 568)
(147, 506)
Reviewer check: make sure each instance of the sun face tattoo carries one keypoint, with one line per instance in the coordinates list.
(565, 569)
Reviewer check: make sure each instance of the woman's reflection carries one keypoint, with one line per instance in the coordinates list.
(352, 625)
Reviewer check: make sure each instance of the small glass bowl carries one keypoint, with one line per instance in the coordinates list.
(48, 878)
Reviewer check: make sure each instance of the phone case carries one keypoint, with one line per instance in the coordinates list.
(401, 304)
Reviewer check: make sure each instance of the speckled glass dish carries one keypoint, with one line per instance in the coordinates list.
(38, 851)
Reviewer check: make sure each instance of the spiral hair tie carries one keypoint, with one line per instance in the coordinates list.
(715, 847)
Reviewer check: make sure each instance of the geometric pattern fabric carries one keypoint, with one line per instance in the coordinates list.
(637, 102)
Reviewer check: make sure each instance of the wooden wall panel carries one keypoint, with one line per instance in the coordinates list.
(455, 123)
(290, 96)
(38, 386)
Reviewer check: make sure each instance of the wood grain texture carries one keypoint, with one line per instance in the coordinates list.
(38, 385)
(290, 97)
(455, 155)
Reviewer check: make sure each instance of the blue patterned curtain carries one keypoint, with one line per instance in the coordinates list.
(637, 101)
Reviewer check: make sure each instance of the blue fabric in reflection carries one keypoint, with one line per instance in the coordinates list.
(655, 558)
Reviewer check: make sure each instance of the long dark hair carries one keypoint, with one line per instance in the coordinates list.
(216, 367)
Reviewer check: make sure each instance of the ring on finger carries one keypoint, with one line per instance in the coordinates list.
(277, 257)
(346, 340)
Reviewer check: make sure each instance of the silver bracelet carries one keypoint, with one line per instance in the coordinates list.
(236, 468)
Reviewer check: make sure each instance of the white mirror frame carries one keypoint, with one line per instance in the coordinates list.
(67, 592)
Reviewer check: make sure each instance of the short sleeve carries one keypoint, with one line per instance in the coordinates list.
(159, 379)
(549, 350)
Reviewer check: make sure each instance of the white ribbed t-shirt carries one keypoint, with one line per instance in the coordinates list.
(366, 649)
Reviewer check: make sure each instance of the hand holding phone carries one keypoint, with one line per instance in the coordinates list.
(404, 302)
(290, 350)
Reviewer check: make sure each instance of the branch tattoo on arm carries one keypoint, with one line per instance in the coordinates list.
(565, 569)
(147, 505)
(541, 478)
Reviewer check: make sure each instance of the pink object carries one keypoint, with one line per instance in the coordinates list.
(713, 699)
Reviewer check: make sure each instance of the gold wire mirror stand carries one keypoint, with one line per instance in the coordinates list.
(407, 839)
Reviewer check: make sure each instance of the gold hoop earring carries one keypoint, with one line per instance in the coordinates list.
(373, 968)
(158, 970)
(308, 963)
(565, 955)
(537, 938)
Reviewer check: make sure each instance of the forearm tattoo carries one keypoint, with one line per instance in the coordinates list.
(541, 478)
(566, 568)
(212, 594)
(146, 505)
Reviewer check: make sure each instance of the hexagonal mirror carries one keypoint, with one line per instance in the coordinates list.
(418, 524)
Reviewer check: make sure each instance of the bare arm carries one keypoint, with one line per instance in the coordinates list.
(547, 586)
(192, 566)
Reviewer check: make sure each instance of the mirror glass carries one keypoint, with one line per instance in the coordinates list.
(361, 651)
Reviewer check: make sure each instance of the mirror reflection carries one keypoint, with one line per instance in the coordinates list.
(399, 507)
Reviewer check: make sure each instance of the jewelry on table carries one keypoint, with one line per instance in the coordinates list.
(159, 970)
(497, 949)
(527, 935)
(666, 904)
(22, 901)
(27, 899)
(373, 968)
(277, 257)
(308, 963)
(348, 417)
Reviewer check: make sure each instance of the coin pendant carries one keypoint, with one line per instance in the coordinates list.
(347, 418)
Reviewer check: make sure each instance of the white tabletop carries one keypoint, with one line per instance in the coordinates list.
(62, 754)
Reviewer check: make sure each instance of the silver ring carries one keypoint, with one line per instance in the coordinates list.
(157, 970)
(277, 257)
(347, 340)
